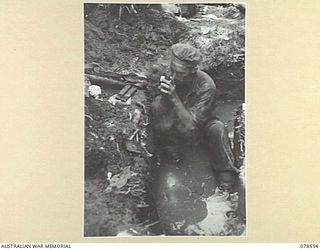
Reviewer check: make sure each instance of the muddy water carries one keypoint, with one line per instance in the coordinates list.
(187, 197)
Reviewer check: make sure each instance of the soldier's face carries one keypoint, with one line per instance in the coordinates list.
(180, 73)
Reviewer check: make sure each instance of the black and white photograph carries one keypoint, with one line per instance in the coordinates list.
(164, 120)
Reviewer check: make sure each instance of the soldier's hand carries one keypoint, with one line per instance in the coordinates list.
(166, 86)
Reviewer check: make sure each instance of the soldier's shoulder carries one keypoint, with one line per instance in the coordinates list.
(204, 81)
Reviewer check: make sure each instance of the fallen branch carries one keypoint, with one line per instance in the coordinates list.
(134, 134)
(105, 81)
(127, 80)
(152, 224)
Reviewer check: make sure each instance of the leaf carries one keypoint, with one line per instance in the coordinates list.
(133, 147)
(119, 180)
(205, 30)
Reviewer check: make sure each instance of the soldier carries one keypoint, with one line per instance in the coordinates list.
(184, 114)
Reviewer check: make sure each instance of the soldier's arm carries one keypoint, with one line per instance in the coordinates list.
(190, 119)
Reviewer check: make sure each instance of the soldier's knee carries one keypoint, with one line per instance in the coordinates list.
(216, 129)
